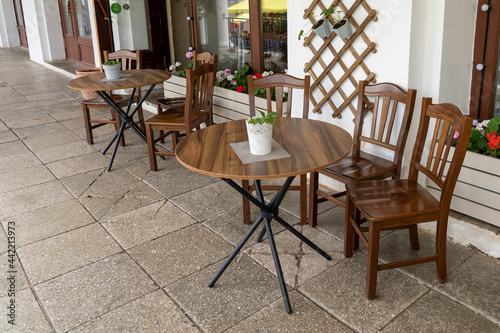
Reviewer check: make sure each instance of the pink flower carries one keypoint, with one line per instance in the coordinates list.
(189, 54)
(233, 82)
(227, 72)
(455, 135)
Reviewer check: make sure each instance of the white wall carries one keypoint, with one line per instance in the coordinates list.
(43, 30)
(391, 33)
(9, 36)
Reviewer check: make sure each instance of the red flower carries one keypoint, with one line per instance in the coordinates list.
(493, 140)
(257, 76)
(240, 89)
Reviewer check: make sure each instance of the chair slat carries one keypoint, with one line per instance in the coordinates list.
(383, 117)
(433, 145)
(391, 121)
(375, 116)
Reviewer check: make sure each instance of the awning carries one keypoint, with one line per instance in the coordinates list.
(268, 6)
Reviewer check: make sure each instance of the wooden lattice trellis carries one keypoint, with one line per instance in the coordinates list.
(337, 57)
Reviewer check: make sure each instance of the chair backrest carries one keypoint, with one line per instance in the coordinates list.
(201, 58)
(391, 105)
(129, 59)
(446, 123)
(199, 90)
(281, 84)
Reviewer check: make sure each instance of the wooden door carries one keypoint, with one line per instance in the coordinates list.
(20, 23)
(76, 27)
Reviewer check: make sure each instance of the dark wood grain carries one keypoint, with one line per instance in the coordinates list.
(139, 78)
(313, 145)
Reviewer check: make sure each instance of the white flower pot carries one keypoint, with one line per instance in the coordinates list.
(112, 71)
(323, 30)
(345, 30)
(260, 138)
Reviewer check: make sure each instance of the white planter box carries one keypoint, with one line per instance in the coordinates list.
(227, 104)
(477, 192)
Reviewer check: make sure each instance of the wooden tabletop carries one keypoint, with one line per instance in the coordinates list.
(139, 78)
(312, 145)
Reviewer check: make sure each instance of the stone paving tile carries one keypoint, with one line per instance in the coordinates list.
(82, 295)
(331, 220)
(106, 203)
(22, 105)
(49, 221)
(98, 180)
(34, 88)
(28, 314)
(3, 127)
(147, 223)
(141, 167)
(65, 252)
(177, 180)
(32, 133)
(50, 98)
(476, 285)
(3, 242)
(64, 108)
(51, 140)
(78, 164)
(7, 136)
(341, 291)
(244, 288)
(299, 262)
(22, 160)
(24, 177)
(8, 116)
(13, 279)
(11, 149)
(64, 151)
(68, 114)
(180, 253)
(422, 316)
(396, 246)
(154, 312)
(307, 317)
(28, 122)
(32, 198)
(208, 201)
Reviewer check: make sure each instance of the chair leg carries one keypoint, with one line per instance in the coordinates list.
(117, 122)
(246, 203)
(313, 199)
(413, 231)
(441, 250)
(140, 115)
(348, 228)
(151, 149)
(88, 127)
(372, 266)
(303, 199)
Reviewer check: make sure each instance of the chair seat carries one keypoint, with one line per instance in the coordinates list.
(121, 100)
(364, 166)
(394, 200)
(174, 116)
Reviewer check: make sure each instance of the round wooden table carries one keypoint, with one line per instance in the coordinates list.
(130, 79)
(312, 145)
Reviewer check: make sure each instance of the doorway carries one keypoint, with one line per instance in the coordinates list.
(18, 8)
(76, 27)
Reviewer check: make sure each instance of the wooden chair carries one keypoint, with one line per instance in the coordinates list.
(196, 110)
(390, 105)
(279, 82)
(129, 60)
(199, 58)
(397, 203)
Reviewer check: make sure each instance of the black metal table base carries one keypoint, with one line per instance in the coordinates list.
(267, 214)
(126, 117)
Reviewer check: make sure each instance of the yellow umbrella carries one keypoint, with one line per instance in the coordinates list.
(268, 6)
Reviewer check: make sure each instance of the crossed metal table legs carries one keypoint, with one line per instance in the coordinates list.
(267, 213)
(127, 119)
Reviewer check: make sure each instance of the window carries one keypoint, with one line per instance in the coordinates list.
(241, 32)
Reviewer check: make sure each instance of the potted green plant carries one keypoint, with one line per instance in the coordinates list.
(260, 132)
(342, 26)
(112, 69)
